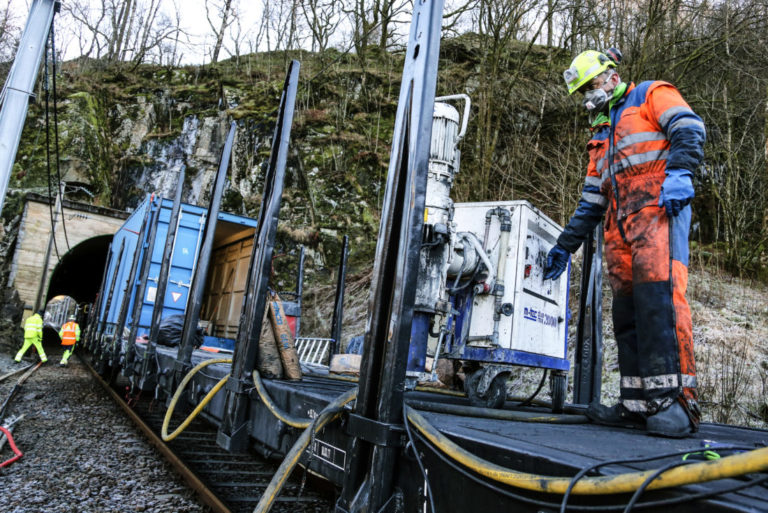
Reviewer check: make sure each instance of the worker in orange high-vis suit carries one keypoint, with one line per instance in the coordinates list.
(70, 335)
(640, 176)
(33, 336)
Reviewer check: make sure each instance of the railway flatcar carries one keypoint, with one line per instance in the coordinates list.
(386, 441)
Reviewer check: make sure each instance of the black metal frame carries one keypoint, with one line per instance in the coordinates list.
(141, 243)
(146, 262)
(162, 280)
(233, 433)
(197, 288)
(338, 304)
(93, 315)
(588, 359)
(108, 304)
(369, 484)
(144, 253)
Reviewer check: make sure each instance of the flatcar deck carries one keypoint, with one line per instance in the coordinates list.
(534, 447)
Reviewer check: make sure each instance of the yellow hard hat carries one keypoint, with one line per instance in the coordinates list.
(586, 66)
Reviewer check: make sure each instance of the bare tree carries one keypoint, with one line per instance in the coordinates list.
(284, 24)
(219, 16)
(255, 37)
(9, 33)
(323, 18)
(373, 21)
(120, 31)
(91, 36)
(157, 32)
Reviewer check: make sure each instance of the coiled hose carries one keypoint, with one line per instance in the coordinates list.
(168, 414)
(327, 415)
(729, 466)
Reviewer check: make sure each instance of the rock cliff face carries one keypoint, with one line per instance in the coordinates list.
(123, 143)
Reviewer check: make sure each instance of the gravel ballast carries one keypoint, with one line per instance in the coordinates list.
(81, 452)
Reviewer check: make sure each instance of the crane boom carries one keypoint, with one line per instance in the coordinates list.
(20, 83)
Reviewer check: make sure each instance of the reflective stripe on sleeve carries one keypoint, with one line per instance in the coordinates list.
(596, 198)
(594, 181)
(686, 122)
(670, 113)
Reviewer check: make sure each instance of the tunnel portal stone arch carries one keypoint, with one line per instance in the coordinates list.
(76, 263)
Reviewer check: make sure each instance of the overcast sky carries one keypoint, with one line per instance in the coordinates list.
(193, 21)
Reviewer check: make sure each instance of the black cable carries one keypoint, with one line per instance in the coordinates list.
(649, 480)
(56, 135)
(428, 490)
(48, 153)
(581, 473)
(612, 507)
(528, 401)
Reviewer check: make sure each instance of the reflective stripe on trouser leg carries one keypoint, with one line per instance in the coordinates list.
(66, 356)
(40, 351)
(619, 262)
(24, 347)
(28, 342)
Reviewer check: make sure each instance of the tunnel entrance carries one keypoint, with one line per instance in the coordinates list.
(57, 311)
(78, 273)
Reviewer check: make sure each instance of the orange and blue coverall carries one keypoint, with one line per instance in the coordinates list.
(652, 130)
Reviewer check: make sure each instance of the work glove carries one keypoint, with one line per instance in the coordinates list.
(557, 261)
(676, 191)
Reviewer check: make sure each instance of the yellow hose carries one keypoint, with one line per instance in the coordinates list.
(329, 413)
(729, 466)
(272, 407)
(168, 414)
(444, 391)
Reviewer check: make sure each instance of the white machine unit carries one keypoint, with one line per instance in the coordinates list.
(533, 318)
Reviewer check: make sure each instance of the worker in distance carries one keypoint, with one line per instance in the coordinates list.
(70, 335)
(646, 143)
(33, 336)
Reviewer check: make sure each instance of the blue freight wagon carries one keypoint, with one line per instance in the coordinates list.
(233, 241)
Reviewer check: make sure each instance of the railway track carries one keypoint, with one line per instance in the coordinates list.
(226, 482)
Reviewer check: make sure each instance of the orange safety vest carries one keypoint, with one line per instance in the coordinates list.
(69, 333)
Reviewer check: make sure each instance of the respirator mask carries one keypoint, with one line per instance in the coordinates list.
(596, 100)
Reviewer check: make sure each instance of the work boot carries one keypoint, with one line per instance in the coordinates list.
(672, 422)
(617, 415)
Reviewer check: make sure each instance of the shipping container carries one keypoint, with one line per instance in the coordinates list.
(233, 241)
